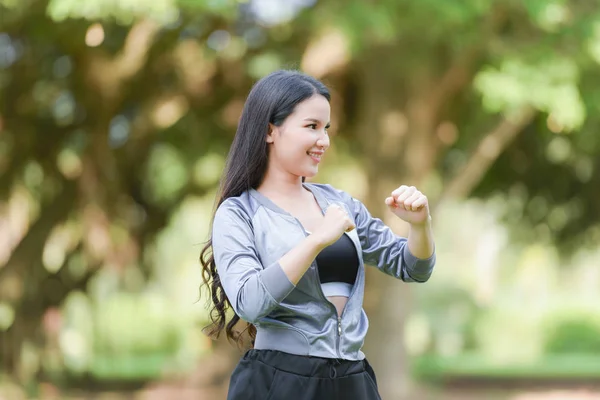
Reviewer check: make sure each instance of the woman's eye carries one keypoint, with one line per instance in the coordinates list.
(312, 126)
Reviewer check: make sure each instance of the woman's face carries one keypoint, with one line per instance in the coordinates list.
(297, 146)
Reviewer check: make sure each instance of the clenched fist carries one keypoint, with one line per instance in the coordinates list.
(409, 204)
(334, 224)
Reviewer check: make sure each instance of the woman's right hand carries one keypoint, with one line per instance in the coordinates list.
(335, 222)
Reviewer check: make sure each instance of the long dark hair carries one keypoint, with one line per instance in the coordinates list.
(271, 100)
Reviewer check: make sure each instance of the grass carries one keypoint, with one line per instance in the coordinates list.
(127, 367)
(473, 366)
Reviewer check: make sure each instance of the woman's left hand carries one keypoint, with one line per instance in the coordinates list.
(409, 204)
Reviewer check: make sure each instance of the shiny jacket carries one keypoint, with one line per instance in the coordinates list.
(251, 233)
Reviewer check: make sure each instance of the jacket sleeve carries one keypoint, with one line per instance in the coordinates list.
(252, 289)
(387, 251)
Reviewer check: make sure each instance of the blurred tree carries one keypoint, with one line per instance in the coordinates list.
(438, 92)
(112, 113)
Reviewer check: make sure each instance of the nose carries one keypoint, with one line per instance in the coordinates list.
(323, 141)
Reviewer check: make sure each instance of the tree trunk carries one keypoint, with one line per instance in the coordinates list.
(391, 300)
(28, 280)
(382, 129)
(400, 149)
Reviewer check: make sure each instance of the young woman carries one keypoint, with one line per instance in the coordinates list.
(288, 256)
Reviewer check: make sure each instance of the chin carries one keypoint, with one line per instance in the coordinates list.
(309, 174)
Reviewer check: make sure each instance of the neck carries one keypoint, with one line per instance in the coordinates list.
(281, 184)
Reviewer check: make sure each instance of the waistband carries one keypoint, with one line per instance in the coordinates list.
(295, 342)
(308, 366)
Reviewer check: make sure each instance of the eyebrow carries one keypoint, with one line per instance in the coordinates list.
(317, 121)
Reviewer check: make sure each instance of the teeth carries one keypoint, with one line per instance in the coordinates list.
(314, 155)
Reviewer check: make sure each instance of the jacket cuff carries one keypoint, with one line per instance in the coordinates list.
(419, 269)
(276, 282)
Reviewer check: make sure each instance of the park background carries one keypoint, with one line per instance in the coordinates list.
(115, 121)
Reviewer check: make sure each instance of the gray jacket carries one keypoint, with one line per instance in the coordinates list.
(250, 235)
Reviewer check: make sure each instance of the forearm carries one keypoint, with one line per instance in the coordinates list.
(296, 262)
(420, 240)
(254, 291)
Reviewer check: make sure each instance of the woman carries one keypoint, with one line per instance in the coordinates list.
(288, 256)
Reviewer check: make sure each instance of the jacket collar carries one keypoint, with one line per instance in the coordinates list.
(265, 201)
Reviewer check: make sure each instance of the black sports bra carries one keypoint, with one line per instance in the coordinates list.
(338, 262)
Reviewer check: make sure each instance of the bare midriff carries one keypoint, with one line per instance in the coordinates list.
(339, 302)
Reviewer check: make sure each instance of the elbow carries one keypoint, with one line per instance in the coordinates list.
(416, 269)
(250, 314)
(252, 308)
(261, 294)
(416, 276)
(421, 271)
(421, 277)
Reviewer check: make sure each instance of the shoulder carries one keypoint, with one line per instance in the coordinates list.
(242, 207)
(329, 191)
(355, 206)
(334, 194)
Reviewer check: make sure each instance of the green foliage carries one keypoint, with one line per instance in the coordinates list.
(126, 336)
(167, 174)
(445, 323)
(263, 64)
(128, 11)
(134, 324)
(551, 86)
(473, 366)
(207, 170)
(390, 20)
(549, 15)
(124, 11)
(571, 334)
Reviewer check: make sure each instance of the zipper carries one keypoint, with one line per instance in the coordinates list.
(320, 289)
(339, 338)
(338, 317)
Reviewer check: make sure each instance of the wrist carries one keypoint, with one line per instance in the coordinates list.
(315, 242)
(421, 225)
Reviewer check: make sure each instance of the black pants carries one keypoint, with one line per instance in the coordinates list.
(274, 375)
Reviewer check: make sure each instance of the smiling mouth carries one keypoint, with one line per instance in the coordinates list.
(315, 156)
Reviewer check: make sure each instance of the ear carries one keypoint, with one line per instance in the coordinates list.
(271, 133)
